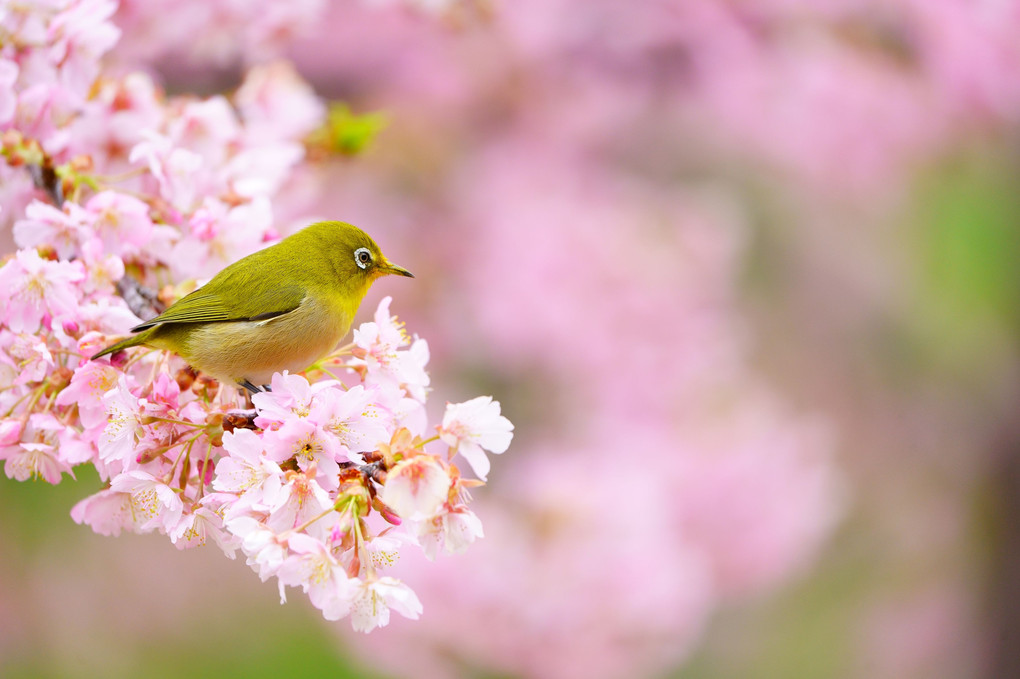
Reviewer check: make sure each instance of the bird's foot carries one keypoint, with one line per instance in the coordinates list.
(252, 389)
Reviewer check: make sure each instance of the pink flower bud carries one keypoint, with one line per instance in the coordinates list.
(385, 512)
(206, 469)
(91, 342)
(146, 456)
(10, 432)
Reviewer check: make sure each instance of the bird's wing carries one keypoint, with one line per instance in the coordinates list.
(210, 307)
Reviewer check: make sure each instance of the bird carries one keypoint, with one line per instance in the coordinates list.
(281, 308)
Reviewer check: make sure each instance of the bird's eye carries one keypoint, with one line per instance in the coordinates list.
(362, 257)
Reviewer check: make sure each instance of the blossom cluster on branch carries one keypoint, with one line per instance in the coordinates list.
(119, 198)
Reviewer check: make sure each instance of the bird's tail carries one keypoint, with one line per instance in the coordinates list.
(132, 341)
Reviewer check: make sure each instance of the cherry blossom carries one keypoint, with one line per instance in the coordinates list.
(8, 99)
(38, 454)
(123, 426)
(247, 470)
(473, 427)
(449, 531)
(416, 487)
(153, 502)
(37, 288)
(378, 346)
(373, 599)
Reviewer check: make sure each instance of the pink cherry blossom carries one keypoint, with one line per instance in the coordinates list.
(219, 235)
(291, 395)
(373, 599)
(383, 550)
(123, 426)
(473, 427)
(36, 288)
(10, 431)
(80, 34)
(206, 127)
(197, 526)
(247, 470)
(402, 410)
(108, 512)
(449, 531)
(45, 112)
(382, 343)
(102, 271)
(312, 567)
(64, 231)
(218, 33)
(106, 316)
(259, 172)
(353, 417)
(276, 103)
(173, 168)
(264, 549)
(32, 459)
(8, 97)
(121, 221)
(31, 356)
(113, 120)
(154, 504)
(311, 446)
(416, 487)
(301, 499)
(73, 448)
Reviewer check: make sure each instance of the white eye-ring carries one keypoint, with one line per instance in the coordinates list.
(362, 257)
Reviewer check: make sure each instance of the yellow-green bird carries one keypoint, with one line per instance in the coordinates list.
(281, 308)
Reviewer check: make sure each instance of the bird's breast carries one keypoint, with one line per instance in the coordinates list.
(254, 350)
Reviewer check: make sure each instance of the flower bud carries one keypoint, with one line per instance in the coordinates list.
(385, 511)
(146, 455)
(354, 567)
(167, 294)
(91, 342)
(206, 470)
(67, 186)
(353, 494)
(214, 428)
(11, 139)
(58, 379)
(10, 431)
(206, 385)
(185, 377)
(81, 163)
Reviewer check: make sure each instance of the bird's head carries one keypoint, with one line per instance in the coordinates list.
(356, 259)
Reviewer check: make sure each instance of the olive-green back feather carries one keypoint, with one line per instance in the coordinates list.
(210, 306)
(273, 281)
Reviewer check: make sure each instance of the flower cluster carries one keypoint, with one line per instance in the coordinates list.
(119, 197)
(293, 482)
